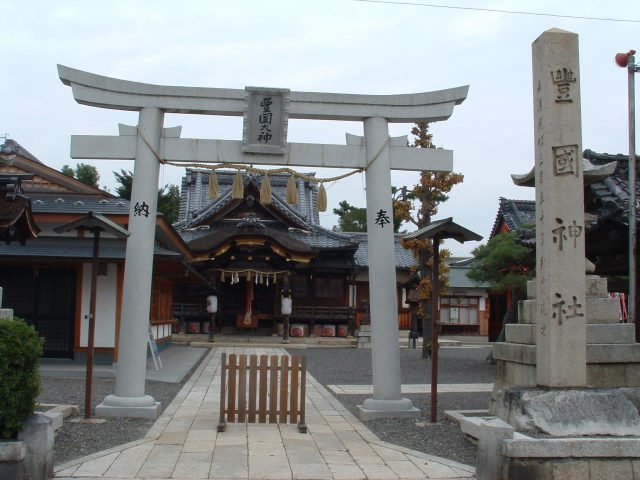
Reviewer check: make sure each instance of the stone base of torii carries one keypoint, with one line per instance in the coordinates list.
(266, 112)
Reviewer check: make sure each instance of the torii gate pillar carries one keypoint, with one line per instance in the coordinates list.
(385, 357)
(129, 399)
(149, 143)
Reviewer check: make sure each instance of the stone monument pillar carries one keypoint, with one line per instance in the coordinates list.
(129, 398)
(568, 339)
(560, 250)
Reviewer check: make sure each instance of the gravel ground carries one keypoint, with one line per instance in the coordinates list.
(328, 366)
(77, 439)
(455, 365)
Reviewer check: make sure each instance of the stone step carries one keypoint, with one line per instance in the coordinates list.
(598, 310)
(596, 353)
(595, 286)
(597, 333)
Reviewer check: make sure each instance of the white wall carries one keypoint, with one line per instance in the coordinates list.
(105, 306)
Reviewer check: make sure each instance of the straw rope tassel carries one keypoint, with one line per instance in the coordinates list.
(238, 186)
(292, 191)
(265, 191)
(213, 184)
(321, 199)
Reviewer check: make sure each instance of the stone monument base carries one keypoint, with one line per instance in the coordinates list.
(372, 409)
(508, 455)
(133, 407)
(571, 412)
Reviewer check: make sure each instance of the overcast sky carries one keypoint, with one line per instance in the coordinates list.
(340, 46)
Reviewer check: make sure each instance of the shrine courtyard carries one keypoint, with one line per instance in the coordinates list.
(183, 441)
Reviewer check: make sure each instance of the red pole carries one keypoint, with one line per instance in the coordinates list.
(92, 325)
(435, 293)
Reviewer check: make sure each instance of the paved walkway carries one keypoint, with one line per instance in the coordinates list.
(415, 388)
(177, 362)
(184, 444)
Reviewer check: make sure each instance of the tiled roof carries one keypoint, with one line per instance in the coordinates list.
(611, 197)
(73, 247)
(319, 237)
(519, 215)
(195, 197)
(66, 203)
(612, 193)
(11, 147)
(444, 228)
(213, 238)
(404, 258)
(458, 269)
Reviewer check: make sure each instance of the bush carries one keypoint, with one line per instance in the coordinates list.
(20, 349)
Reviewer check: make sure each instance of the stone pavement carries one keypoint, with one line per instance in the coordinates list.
(184, 443)
(415, 388)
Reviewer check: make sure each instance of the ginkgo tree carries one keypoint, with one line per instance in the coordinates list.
(429, 193)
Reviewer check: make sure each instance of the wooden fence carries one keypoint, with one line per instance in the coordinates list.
(275, 392)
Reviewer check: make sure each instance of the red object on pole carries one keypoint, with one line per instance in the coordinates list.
(92, 324)
(435, 293)
(621, 59)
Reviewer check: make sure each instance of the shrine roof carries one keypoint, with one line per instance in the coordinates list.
(612, 193)
(16, 220)
(69, 203)
(404, 258)
(210, 239)
(609, 200)
(518, 215)
(195, 203)
(319, 237)
(11, 147)
(74, 247)
(458, 276)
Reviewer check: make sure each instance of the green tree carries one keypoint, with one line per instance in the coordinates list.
(430, 192)
(504, 263)
(168, 196)
(124, 180)
(354, 219)
(350, 218)
(68, 171)
(87, 174)
(169, 202)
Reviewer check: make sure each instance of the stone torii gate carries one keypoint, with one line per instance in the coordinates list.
(266, 112)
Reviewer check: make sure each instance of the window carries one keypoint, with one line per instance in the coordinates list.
(459, 310)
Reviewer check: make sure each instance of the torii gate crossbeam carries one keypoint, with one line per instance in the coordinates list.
(376, 153)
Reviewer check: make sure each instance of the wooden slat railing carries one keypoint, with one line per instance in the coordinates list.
(279, 389)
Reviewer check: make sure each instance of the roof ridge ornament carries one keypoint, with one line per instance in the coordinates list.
(251, 221)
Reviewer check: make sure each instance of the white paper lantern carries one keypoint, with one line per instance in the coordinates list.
(286, 306)
(212, 304)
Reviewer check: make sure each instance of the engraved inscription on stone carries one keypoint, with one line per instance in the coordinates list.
(563, 232)
(265, 121)
(565, 160)
(563, 78)
(566, 310)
